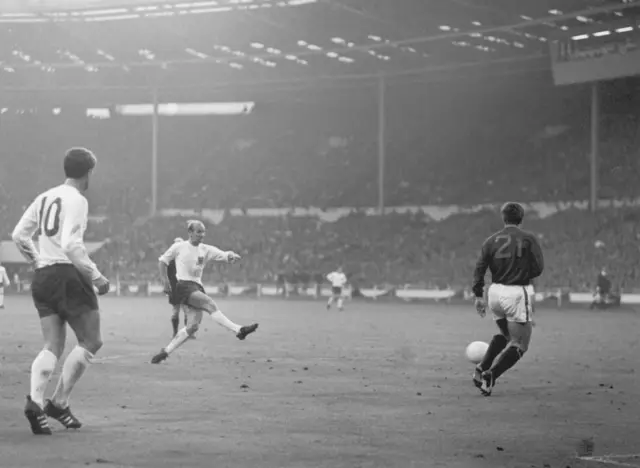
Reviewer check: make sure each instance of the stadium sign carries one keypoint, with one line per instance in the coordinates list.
(596, 52)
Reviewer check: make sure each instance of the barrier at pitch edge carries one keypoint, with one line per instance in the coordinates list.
(407, 294)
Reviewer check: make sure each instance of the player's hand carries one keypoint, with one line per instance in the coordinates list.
(166, 288)
(102, 285)
(233, 257)
(481, 307)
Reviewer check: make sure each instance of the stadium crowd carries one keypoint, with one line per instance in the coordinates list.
(324, 154)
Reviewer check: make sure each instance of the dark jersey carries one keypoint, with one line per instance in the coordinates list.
(513, 256)
(171, 273)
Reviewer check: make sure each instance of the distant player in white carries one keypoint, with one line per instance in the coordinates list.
(4, 283)
(62, 289)
(338, 281)
(190, 258)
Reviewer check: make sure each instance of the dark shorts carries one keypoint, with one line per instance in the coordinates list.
(172, 295)
(184, 290)
(61, 290)
(336, 291)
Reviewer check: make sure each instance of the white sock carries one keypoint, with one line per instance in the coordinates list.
(74, 366)
(330, 301)
(340, 303)
(222, 319)
(178, 341)
(41, 370)
(1, 299)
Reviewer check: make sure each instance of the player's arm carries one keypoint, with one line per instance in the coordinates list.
(537, 258)
(481, 269)
(71, 239)
(217, 255)
(23, 234)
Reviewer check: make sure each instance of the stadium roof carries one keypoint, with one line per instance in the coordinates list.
(134, 44)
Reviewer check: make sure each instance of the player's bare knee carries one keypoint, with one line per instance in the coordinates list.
(211, 307)
(192, 328)
(92, 345)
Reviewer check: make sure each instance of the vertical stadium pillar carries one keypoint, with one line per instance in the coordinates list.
(595, 137)
(381, 142)
(154, 153)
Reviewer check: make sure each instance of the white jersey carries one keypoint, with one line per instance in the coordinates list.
(191, 259)
(4, 278)
(61, 214)
(337, 279)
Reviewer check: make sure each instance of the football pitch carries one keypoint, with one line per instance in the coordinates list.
(378, 385)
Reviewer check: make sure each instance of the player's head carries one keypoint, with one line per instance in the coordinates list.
(79, 163)
(339, 270)
(196, 231)
(512, 214)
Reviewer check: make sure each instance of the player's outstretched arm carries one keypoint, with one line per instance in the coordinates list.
(23, 233)
(218, 255)
(72, 242)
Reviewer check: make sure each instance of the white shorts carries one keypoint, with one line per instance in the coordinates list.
(514, 303)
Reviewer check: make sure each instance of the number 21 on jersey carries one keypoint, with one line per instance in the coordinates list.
(49, 216)
(506, 250)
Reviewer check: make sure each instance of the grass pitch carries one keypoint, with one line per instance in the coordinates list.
(378, 385)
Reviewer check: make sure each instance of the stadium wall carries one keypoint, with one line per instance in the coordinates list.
(407, 294)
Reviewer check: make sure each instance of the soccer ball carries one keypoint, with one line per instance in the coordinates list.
(476, 351)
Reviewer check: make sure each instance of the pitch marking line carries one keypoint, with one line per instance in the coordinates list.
(117, 357)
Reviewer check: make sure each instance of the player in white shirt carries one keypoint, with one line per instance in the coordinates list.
(62, 289)
(338, 281)
(190, 258)
(4, 283)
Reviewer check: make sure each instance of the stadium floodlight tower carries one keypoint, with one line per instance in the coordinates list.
(590, 54)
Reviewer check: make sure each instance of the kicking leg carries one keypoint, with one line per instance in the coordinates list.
(54, 333)
(520, 336)
(201, 301)
(194, 318)
(86, 326)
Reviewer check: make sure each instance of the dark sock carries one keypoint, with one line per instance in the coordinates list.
(498, 343)
(175, 321)
(507, 361)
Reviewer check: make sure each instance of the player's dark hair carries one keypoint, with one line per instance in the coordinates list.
(512, 213)
(78, 162)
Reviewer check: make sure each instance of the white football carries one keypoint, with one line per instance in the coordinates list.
(476, 351)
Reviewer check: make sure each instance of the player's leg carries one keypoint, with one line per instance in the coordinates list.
(193, 318)
(520, 333)
(42, 368)
(47, 290)
(86, 326)
(199, 300)
(519, 314)
(175, 318)
(331, 300)
(498, 302)
(340, 301)
(1, 297)
(83, 316)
